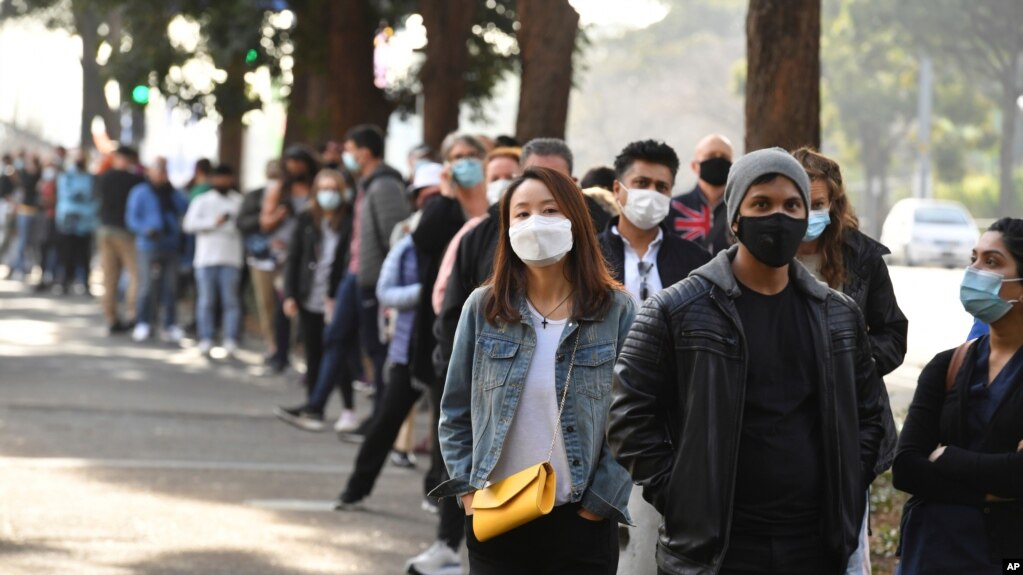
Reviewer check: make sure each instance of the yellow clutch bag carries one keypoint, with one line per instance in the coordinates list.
(513, 501)
(524, 496)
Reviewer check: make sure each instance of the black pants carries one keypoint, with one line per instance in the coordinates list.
(75, 253)
(311, 324)
(399, 398)
(561, 543)
(451, 516)
(754, 555)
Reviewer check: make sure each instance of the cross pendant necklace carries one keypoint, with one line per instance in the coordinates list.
(556, 308)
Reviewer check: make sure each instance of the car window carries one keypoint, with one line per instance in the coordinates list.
(940, 215)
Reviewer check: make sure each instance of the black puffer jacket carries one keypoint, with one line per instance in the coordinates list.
(677, 404)
(867, 282)
(299, 272)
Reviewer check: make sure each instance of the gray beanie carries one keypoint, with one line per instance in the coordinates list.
(761, 162)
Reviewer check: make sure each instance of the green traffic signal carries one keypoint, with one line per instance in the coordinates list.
(140, 94)
(251, 56)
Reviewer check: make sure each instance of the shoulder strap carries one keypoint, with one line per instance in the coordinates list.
(564, 392)
(958, 356)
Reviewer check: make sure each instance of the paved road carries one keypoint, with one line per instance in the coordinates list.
(121, 459)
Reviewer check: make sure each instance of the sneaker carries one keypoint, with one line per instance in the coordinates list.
(347, 422)
(439, 559)
(117, 328)
(230, 346)
(363, 387)
(172, 334)
(141, 332)
(205, 346)
(346, 502)
(300, 417)
(429, 506)
(403, 459)
(356, 435)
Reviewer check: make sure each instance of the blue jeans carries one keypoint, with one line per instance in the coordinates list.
(27, 234)
(340, 348)
(162, 288)
(212, 281)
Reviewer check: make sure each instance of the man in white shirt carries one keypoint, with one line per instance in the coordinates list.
(218, 257)
(644, 255)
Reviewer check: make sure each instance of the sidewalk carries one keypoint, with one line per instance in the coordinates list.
(123, 458)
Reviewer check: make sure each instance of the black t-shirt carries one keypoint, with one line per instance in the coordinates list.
(113, 188)
(779, 483)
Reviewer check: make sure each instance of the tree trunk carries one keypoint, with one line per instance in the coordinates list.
(448, 25)
(1006, 187)
(546, 38)
(94, 101)
(229, 150)
(307, 105)
(352, 97)
(783, 75)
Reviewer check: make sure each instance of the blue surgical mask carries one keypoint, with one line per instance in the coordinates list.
(979, 295)
(468, 172)
(351, 164)
(816, 224)
(329, 200)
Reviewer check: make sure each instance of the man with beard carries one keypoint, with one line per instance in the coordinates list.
(699, 215)
(745, 398)
(154, 215)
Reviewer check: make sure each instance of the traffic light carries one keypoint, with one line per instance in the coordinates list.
(251, 56)
(140, 94)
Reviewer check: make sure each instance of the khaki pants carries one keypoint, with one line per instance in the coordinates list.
(117, 254)
(266, 303)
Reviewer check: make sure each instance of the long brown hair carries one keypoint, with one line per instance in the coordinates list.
(318, 212)
(584, 265)
(821, 168)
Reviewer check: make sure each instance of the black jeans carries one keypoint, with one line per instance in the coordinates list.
(790, 555)
(311, 324)
(399, 398)
(75, 252)
(369, 336)
(561, 543)
(451, 516)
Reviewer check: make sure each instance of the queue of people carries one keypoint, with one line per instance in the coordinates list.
(722, 350)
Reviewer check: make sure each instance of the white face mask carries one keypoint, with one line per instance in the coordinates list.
(646, 209)
(496, 189)
(541, 241)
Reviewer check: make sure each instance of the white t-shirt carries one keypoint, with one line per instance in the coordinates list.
(532, 427)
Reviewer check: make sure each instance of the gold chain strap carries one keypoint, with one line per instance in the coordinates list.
(564, 392)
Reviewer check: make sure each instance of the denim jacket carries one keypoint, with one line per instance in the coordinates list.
(484, 385)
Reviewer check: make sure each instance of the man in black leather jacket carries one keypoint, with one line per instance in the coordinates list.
(746, 402)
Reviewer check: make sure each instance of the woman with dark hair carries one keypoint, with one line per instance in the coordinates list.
(282, 203)
(317, 256)
(838, 254)
(530, 378)
(960, 454)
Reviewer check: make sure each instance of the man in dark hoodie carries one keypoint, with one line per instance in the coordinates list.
(745, 398)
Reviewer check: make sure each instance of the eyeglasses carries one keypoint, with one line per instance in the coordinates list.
(644, 271)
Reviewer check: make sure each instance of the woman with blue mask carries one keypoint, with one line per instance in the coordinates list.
(843, 257)
(960, 454)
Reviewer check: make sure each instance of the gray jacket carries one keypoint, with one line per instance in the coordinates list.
(384, 205)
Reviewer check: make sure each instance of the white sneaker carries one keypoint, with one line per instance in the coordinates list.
(172, 334)
(205, 346)
(439, 559)
(347, 422)
(230, 346)
(141, 332)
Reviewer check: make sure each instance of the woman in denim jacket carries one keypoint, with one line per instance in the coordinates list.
(550, 302)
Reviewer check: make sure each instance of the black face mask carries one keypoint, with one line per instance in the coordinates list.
(774, 239)
(714, 171)
(299, 178)
(222, 190)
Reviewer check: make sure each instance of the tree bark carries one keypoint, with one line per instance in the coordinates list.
(546, 38)
(229, 150)
(94, 101)
(307, 105)
(448, 25)
(783, 75)
(1006, 187)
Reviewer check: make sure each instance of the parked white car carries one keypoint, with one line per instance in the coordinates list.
(924, 231)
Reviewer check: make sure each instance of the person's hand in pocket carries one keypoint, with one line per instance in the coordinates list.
(589, 515)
